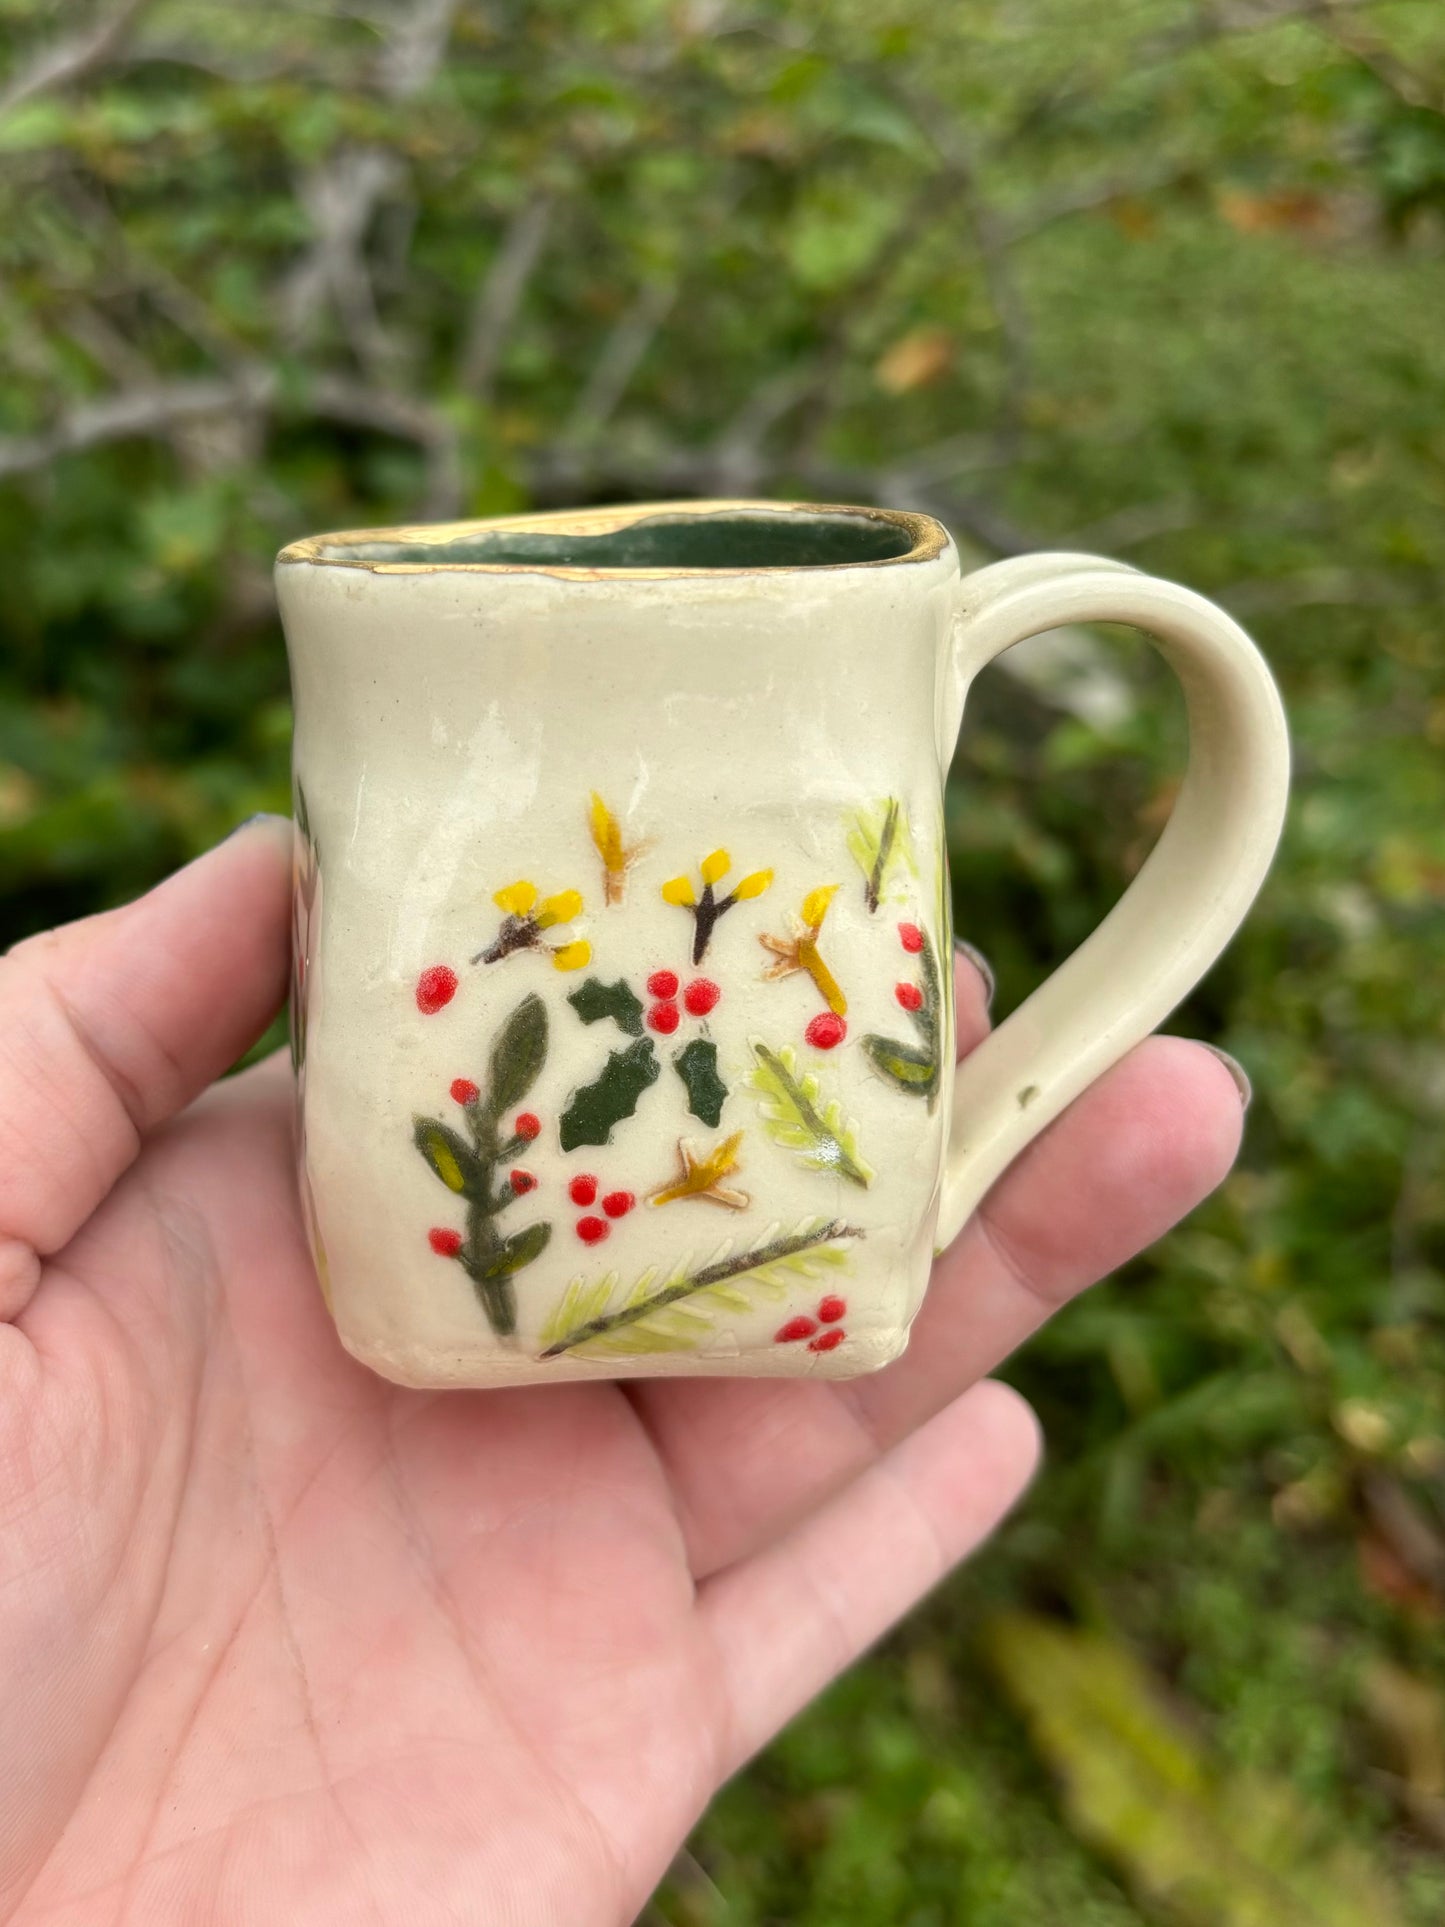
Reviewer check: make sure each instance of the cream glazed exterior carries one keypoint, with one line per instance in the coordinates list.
(622, 1002)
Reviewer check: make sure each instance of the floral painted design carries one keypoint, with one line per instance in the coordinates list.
(617, 856)
(489, 1168)
(707, 905)
(914, 1068)
(700, 1176)
(799, 952)
(881, 844)
(608, 1318)
(528, 920)
(796, 1114)
(470, 1166)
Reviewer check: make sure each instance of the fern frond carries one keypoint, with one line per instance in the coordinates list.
(796, 1115)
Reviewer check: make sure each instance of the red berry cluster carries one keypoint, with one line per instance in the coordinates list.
(823, 1333)
(909, 995)
(435, 989)
(583, 1191)
(698, 999)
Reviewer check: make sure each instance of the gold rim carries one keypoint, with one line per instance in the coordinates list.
(928, 540)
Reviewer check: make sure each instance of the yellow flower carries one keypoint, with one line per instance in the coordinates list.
(559, 909)
(753, 885)
(517, 899)
(715, 867)
(617, 857)
(678, 890)
(572, 956)
(815, 905)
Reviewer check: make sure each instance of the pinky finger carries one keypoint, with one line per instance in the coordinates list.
(786, 1621)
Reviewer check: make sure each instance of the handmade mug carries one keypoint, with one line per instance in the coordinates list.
(622, 1006)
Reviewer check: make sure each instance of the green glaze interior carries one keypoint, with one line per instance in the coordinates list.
(659, 542)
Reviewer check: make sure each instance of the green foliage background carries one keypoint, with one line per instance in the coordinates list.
(1164, 281)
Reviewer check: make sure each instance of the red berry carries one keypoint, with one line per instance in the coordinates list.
(446, 1244)
(700, 996)
(435, 989)
(521, 1181)
(826, 1031)
(828, 1341)
(464, 1090)
(802, 1327)
(592, 1230)
(582, 1190)
(911, 937)
(617, 1204)
(909, 995)
(831, 1310)
(528, 1125)
(664, 1017)
(662, 983)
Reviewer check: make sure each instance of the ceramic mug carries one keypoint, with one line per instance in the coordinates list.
(622, 1006)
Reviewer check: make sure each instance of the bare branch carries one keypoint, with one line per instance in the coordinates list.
(621, 355)
(71, 57)
(499, 296)
(143, 411)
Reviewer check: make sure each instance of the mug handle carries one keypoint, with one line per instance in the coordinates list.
(1189, 897)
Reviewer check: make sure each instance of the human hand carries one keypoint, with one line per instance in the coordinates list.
(284, 1642)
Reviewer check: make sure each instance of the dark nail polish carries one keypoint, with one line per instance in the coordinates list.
(982, 965)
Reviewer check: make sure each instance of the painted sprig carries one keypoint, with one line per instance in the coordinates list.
(470, 1166)
(617, 855)
(707, 905)
(917, 1068)
(800, 950)
(527, 922)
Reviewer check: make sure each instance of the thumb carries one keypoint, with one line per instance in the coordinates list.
(109, 1025)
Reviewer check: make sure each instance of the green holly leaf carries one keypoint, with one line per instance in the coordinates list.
(517, 1056)
(450, 1156)
(596, 1107)
(706, 1092)
(595, 1001)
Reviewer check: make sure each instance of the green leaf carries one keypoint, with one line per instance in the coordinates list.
(880, 843)
(796, 1114)
(595, 1001)
(911, 1069)
(706, 1092)
(518, 1055)
(450, 1156)
(596, 1107)
(522, 1248)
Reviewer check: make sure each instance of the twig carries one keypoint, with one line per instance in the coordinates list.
(714, 1274)
(499, 296)
(72, 57)
(621, 355)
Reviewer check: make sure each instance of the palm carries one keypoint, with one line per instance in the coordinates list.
(297, 1644)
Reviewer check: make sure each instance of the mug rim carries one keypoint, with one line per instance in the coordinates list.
(928, 539)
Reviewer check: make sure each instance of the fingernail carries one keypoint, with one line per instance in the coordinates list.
(982, 965)
(1236, 1071)
(261, 816)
